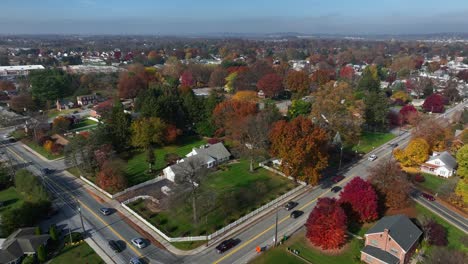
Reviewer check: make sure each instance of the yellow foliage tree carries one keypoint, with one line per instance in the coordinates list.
(462, 189)
(250, 96)
(48, 144)
(415, 153)
(401, 95)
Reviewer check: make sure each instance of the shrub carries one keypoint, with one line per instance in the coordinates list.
(419, 178)
(53, 233)
(76, 236)
(48, 144)
(41, 254)
(213, 140)
(436, 233)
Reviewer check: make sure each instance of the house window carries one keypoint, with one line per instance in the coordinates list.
(374, 242)
(437, 162)
(394, 251)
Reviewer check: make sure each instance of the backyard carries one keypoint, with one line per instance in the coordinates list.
(137, 165)
(237, 193)
(371, 140)
(77, 254)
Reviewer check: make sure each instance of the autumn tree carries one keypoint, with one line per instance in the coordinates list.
(416, 153)
(326, 225)
(230, 82)
(147, 132)
(229, 115)
(339, 111)
(298, 81)
(391, 184)
(302, 147)
(111, 177)
(434, 104)
(271, 84)
(409, 114)
(360, 200)
(249, 96)
(299, 108)
(444, 255)
(347, 73)
(186, 79)
(434, 131)
(322, 76)
(61, 124)
(462, 160)
(400, 97)
(22, 102)
(436, 233)
(132, 82)
(218, 77)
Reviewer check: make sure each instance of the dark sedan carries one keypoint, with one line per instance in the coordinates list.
(290, 205)
(225, 245)
(114, 246)
(428, 197)
(296, 213)
(336, 189)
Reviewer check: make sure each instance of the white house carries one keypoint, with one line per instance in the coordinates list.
(209, 155)
(440, 164)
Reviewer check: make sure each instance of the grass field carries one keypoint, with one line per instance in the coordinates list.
(79, 254)
(432, 182)
(188, 245)
(75, 171)
(137, 165)
(10, 199)
(370, 140)
(39, 149)
(54, 112)
(236, 180)
(279, 255)
(84, 123)
(454, 235)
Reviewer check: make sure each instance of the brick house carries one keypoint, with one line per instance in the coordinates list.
(393, 240)
(83, 100)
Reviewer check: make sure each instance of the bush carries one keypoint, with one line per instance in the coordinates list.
(30, 259)
(53, 233)
(419, 178)
(41, 254)
(76, 236)
(436, 233)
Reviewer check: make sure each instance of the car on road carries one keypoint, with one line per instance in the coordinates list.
(336, 189)
(135, 260)
(47, 171)
(290, 205)
(393, 145)
(338, 178)
(295, 214)
(428, 197)
(105, 211)
(139, 242)
(372, 157)
(114, 246)
(225, 245)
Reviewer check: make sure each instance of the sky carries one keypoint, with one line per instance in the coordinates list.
(181, 17)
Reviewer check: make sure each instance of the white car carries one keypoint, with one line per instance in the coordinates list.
(372, 157)
(139, 242)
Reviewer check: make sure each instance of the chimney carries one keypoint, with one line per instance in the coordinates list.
(386, 237)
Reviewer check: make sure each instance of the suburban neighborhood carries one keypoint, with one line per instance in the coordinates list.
(131, 147)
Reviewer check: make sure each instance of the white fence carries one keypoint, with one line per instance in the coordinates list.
(218, 232)
(112, 196)
(262, 164)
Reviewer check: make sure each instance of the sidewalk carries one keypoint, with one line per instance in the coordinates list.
(116, 205)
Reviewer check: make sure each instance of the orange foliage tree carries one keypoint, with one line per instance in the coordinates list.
(298, 81)
(250, 96)
(302, 147)
(271, 84)
(230, 115)
(48, 144)
(111, 177)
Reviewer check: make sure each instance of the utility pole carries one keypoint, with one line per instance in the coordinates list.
(81, 218)
(276, 225)
(341, 156)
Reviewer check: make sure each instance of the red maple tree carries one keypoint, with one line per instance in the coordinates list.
(434, 103)
(111, 177)
(408, 113)
(347, 72)
(186, 79)
(359, 200)
(229, 116)
(326, 225)
(271, 84)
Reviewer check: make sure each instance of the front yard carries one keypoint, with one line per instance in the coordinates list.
(137, 165)
(236, 191)
(371, 140)
(41, 150)
(10, 198)
(77, 254)
(433, 183)
(85, 123)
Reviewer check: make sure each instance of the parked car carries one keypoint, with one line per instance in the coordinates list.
(336, 189)
(225, 245)
(296, 213)
(338, 178)
(135, 260)
(428, 197)
(139, 242)
(290, 205)
(114, 246)
(105, 211)
(372, 157)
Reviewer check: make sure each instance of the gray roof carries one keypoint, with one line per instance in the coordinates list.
(216, 151)
(449, 161)
(20, 242)
(400, 228)
(380, 254)
(184, 166)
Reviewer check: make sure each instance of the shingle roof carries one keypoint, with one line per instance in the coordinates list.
(447, 159)
(380, 254)
(183, 167)
(400, 228)
(20, 242)
(217, 151)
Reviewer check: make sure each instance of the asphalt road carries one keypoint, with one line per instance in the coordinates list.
(260, 233)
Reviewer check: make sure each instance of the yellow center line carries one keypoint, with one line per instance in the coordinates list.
(89, 210)
(272, 226)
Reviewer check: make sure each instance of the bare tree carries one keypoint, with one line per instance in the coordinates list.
(254, 137)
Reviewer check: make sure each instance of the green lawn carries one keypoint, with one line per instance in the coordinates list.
(351, 253)
(10, 199)
(247, 191)
(39, 149)
(137, 165)
(454, 235)
(370, 140)
(84, 123)
(188, 245)
(79, 254)
(432, 182)
(54, 112)
(75, 171)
